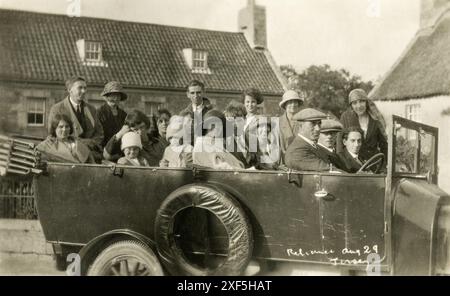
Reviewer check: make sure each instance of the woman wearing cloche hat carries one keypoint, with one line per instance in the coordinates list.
(360, 114)
(110, 114)
(291, 102)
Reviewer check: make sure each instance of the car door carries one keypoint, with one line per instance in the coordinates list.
(352, 218)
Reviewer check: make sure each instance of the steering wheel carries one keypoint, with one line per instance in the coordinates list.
(376, 160)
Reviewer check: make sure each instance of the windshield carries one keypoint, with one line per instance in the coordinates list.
(415, 147)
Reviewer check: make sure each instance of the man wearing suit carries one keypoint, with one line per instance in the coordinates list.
(352, 141)
(198, 106)
(303, 153)
(327, 141)
(86, 124)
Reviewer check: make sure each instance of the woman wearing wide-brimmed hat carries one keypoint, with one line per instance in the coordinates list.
(363, 114)
(110, 114)
(291, 102)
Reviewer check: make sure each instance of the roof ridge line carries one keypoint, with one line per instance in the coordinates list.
(115, 20)
(430, 29)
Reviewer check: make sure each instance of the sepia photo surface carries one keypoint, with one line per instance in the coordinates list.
(226, 137)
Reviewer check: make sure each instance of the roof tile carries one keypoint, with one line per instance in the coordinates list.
(42, 47)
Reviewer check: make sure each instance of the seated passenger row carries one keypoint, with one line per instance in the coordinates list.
(238, 138)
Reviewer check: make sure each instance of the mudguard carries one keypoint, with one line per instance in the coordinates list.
(99, 243)
(416, 207)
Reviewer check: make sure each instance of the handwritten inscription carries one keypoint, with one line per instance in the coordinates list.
(360, 254)
(301, 253)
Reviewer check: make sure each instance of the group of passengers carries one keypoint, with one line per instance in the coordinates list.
(238, 138)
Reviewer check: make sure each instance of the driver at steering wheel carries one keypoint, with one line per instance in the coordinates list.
(352, 141)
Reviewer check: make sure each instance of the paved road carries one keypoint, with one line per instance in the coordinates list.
(29, 264)
(40, 265)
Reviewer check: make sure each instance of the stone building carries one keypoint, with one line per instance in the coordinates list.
(38, 52)
(418, 85)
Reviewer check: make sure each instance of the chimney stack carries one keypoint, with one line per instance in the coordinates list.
(252, 22)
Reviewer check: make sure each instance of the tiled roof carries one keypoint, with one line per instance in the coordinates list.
(42, 47)
(423, 71)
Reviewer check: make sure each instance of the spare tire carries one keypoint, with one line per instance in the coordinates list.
(208, 214)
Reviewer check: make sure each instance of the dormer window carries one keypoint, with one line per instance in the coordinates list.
(93, 51)
(197, 60)
(200, 59)
(90, 53)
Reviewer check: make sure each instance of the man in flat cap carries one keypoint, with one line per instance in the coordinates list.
(303, 153)
(86, 124)
(327, 141)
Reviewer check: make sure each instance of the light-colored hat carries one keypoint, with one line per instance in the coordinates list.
(174, 128)
(131, 139)
(330, 125)
(114, 87)
(289, 96)
(357, 94)
(309, 114)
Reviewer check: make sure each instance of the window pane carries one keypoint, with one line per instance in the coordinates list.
(93, 51)
(426, 153)
(31, 118)
(35, 111)
(39, 118)
(35, 104)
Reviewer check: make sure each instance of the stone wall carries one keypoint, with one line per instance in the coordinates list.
(13, 102)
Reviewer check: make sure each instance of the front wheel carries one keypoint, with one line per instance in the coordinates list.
(126, 258)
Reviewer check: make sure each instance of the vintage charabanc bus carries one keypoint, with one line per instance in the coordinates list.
(121, 220)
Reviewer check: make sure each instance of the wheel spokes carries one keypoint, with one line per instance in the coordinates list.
(136, 268)
(115, 271)
(124, 268)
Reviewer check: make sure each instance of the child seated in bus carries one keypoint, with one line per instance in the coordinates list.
(178, 154)
(131, 147)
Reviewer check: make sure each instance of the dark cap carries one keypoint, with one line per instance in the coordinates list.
(309, 114)
(330, 125)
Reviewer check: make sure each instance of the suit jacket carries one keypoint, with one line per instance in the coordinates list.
(334, 158)
(373, 142)
(111, 124)
(92, 134)
(302, 156)
(206, 107)
(55, 150)
(352, 166)
(287, 135)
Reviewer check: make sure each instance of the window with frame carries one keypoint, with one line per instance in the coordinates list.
(93, 51)
(199, 60)
(35, 111)
(412, 112)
